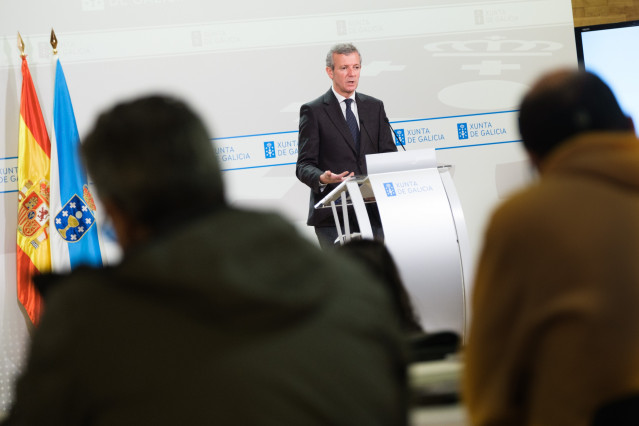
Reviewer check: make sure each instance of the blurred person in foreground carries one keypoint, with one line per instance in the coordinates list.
(555, 324)
(215, 315)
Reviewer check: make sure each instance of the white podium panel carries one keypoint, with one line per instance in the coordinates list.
(424, 229)
(420, 233)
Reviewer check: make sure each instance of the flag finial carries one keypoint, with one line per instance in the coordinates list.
(54, 42)
(21, 46)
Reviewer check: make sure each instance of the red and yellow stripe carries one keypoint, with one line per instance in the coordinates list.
(34, 163)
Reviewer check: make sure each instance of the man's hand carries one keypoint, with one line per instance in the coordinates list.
(330, 177)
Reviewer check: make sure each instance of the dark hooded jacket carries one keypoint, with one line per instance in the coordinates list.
(232, 319)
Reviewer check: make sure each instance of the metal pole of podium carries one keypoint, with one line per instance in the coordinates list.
(360, 210)
(347, 226)
(337, 225)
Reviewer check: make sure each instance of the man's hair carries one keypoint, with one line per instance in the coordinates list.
(341, 49)
(563, 104)
(152, 157)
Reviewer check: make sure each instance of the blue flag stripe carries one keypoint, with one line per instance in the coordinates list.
(72, 174)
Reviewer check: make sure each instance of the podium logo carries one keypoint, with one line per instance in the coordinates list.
(462, 130)
(269, 149)
(400, 137)
(390, 189)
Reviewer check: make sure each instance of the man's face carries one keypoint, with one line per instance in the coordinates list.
(345, 73)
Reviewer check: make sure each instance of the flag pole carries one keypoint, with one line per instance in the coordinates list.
(21, 46)
(54, 42)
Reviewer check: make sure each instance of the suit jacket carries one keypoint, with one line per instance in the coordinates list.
(325, 143)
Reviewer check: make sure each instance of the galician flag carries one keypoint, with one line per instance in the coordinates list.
(33, 254)
(74, 234)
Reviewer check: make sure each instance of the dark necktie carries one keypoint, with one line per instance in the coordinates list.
(352, 123)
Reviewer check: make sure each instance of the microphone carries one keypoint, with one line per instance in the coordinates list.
(395, 133)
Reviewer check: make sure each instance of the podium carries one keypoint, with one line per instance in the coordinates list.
(424, 230)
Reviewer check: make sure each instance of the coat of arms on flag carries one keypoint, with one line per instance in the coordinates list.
(74, 219)
(33, 211)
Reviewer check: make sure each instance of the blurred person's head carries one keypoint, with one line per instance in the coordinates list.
(563, 104)
(153, 165)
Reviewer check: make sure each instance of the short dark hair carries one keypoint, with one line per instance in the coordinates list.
(341, 49)
(153, 158)
(565, 103)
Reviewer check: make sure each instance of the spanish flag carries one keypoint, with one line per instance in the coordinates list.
(34, 152)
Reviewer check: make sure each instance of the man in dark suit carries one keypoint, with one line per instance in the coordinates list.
(336, 132)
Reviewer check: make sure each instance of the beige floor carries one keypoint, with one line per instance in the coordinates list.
(453, 415)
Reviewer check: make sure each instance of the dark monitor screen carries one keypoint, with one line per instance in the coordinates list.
(611, 52)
